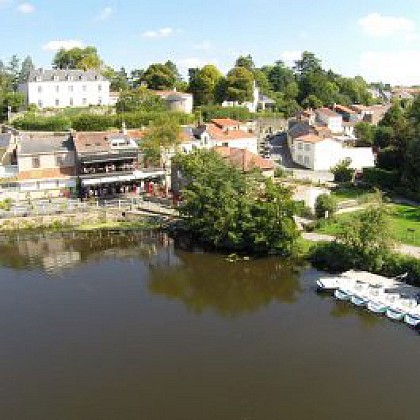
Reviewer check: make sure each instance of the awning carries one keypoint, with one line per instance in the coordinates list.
(150, 174)
(108, 179)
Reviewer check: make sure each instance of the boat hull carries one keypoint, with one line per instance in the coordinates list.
(412, 320)
(376, 307)
(358, 300)
(342, 294)
(395, 314)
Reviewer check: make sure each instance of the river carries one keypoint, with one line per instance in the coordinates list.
(123, 325)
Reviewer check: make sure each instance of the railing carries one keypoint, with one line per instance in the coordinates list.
(57, 206)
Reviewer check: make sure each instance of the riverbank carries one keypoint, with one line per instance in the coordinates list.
(86, 221)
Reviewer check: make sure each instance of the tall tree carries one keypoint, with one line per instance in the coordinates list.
(246, 62)
(203, 83)
(77, 58)
(13, 69)
(26, 67)
(159, 77)
(240, 85)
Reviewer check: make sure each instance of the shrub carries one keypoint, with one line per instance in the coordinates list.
(342, 171)
(325, 203)
(37, 123)
(381, 178)
(235, 112)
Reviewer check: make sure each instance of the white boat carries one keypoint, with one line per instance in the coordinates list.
(412, 318)
(341, 294)
(400, 308)
(360, 296)
(329, 283)
(377, 300)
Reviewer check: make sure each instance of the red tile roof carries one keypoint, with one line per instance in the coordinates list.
(225, 122)
(244, 159)
(343, 108)
(218, 134)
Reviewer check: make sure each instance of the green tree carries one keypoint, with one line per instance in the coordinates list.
(365, 133)
(77, 58)
(246, 62)
(342, 171)
(368, 238)
(280, 76)
(228, 209)
(161, 140)
(26, 67)
(140, 99)
(203, 83)
(240, 85)
(159, 77)
(325, 205)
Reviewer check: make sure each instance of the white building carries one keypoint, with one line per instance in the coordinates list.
(331, 119)
(321, 154)
(62, 88)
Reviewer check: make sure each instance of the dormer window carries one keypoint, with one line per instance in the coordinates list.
(80, 77)
(55, 78)
(69, 77)
(38, 78)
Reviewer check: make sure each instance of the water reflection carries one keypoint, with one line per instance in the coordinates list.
(345, 309)
(54, 252)
(208, 282)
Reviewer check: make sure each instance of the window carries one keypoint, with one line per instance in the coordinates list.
(300, 158)
(306, 160)
(71, 88)
(40, 104)
(99, 101)
(99, 88)
(59, 161)
(71, 101)
(84, 87)
(57, 102)
(307, 147)
(300, 146)
(36, 162)
(225, 144)
(39, 89)
(57, 88)
(84, 101)
(55, 78)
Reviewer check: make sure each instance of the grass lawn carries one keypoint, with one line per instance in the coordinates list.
(343, 193)
(402, 218)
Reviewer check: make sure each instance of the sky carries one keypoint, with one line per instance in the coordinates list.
(377, 39)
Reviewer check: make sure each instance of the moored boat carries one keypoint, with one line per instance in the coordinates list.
(360, 294)
(342, 294)
(328, 283)
(400, 308)
(377, 300)
(412, 319)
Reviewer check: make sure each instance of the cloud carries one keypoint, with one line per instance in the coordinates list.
(105, 13)
(160, 33)
(395, 67)
(378, 26)
(26, 8)
(289, 57)
(205, 45)
(66, 44)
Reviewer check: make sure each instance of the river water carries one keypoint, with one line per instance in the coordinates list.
(122, 325)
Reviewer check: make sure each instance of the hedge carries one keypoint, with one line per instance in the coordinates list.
(94, 122)
(381, 178)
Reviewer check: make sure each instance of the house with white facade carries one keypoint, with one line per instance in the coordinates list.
(331, 119)
(322, 153)
(259, 101)
(63, 88)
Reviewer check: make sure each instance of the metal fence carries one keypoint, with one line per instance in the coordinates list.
(58, 206)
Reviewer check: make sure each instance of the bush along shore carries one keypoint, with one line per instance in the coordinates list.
(365, 244)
